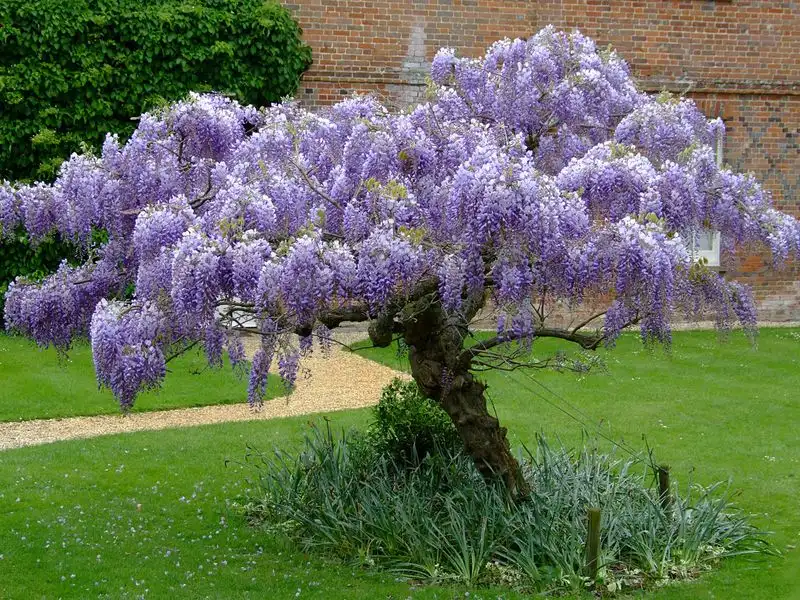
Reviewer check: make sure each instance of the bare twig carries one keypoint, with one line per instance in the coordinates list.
(205, 196)
(314, 188)
(584, 340)
(587, 321)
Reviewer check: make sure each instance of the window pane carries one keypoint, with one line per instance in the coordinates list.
(704, 240)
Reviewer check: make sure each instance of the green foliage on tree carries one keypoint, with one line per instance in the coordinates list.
(72, 70)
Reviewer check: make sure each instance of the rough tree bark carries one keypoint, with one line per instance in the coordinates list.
(435, 346)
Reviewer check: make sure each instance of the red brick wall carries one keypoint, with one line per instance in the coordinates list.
(738, 58)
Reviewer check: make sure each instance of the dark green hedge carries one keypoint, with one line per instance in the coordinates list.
(72, 70)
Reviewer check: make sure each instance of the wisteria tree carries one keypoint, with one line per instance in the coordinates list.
(538, 174)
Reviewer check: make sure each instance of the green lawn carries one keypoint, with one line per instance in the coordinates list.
(70, 528)
(712, 411)
(36, 385)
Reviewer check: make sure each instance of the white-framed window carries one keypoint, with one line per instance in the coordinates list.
(705, 245)
(706, 242)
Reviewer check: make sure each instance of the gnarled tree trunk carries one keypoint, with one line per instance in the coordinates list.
(435, 345)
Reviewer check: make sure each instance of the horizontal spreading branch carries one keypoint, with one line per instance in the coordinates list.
(180, 351)
(583, 324)
(513, 365)
(357, 313)
(587, 341)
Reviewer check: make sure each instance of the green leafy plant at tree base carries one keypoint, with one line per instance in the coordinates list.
(440, 521)
(407, 426)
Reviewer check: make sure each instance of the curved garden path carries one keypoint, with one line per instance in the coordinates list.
(341, 381)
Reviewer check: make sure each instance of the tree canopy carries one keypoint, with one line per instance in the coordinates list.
(538, 172)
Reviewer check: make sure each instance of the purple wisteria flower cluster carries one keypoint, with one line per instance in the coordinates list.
(538, 170)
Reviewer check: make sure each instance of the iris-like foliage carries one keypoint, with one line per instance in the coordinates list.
(430, 516)
(537, 173)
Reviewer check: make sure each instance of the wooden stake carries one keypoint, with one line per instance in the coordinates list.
(663, 487)
(593, 544)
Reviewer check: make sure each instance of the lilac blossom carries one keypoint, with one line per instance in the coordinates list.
(259, 375)
(160, 226)
(10, 216)
(663, 127)
(288, 367)
(451, 282)
(248, 257)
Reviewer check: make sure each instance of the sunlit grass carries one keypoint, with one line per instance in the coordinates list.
(37, 385)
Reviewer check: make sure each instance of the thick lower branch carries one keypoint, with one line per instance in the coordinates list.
(587, 341)
(333, 318)
(435, 341)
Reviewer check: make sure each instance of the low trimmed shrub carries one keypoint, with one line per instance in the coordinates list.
(406, 426)
(441, 522)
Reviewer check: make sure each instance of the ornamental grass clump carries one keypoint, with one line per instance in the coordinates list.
(441, 521)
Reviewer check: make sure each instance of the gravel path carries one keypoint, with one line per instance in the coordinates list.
(339, 382)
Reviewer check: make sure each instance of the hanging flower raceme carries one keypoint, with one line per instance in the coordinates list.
(248, 257)
(612, 181)
(80, 188)
(39, 212)
(388, 264)
(57, 309)
(161, 226)
(10, 217)
(452, 278)
(663, 127)
(199, 274)
(310, 276)
(646, 263)
(126, 348)
(555, 88)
